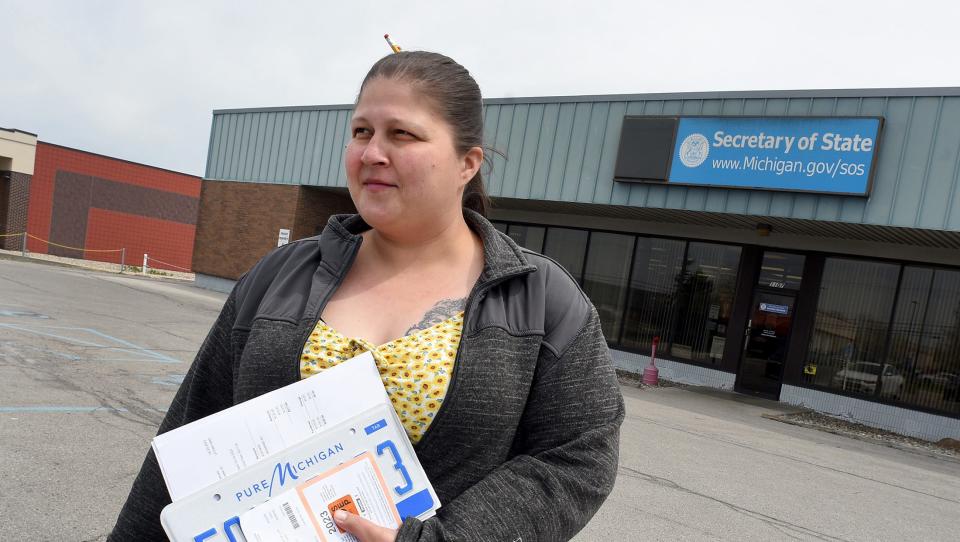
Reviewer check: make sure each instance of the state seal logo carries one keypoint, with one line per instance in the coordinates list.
(694, 150)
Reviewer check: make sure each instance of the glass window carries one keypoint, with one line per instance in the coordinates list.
(924, 341)
(781, 270)
(530, 237)
(851, 325)
(905, 334)
(568, 247)
(605, 278)
(651, 304)
(704, 297)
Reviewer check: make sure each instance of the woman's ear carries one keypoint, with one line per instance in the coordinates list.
(472, 161)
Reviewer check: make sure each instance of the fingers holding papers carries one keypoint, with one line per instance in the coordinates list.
(364, 530)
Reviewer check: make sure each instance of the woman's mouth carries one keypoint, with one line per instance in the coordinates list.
(377, 185)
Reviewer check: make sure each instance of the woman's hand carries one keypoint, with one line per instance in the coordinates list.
(365, 531)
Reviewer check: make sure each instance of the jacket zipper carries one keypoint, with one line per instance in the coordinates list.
(324, 301)
(471, 301)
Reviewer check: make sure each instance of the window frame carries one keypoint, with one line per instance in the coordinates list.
(807, 299)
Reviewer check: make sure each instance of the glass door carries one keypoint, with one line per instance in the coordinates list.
(765, 346)
(767, 334)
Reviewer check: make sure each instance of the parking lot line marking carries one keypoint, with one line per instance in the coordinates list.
(23, 314)
(163, 358)
(130, 347)
(61, 337)
(169, 380)
(65, 355)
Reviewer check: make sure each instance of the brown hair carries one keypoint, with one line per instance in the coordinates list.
(456, 96)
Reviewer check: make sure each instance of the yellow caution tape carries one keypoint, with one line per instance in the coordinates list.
(71, 248)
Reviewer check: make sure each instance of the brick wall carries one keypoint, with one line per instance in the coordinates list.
(314, 208)
(15, 198)
(239, 222)
(4, 202)
(92, 203)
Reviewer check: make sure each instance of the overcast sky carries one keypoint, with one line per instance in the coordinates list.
(138, 80)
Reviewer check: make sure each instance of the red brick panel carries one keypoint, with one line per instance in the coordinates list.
(41, 199)
(137, 187)
(163, 240)
(105, 167)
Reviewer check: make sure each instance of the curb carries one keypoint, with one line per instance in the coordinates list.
(945, 455)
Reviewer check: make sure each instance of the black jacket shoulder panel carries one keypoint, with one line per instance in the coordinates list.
(546, 302)
(567, 307)
(278, 286)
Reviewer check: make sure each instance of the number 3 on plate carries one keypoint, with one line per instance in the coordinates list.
(398, 465)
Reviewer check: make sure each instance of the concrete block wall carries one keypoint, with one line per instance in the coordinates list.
(892, 418)
(672, 371)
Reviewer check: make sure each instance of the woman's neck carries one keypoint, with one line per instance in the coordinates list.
(449, 242)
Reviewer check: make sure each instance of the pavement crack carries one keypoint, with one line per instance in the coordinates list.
(791, 458)
(791, 530)
(168, 332)
(685, 525)
(136, 411)
(24, 284)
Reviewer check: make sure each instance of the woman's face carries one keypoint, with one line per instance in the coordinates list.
(403, 170)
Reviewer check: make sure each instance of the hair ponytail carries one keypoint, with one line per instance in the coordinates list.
(475, 195)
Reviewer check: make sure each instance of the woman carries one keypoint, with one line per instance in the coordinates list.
(491, 354)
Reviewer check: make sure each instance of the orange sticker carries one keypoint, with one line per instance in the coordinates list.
(343, 503)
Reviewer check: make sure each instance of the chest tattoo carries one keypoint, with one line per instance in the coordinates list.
(445, 308)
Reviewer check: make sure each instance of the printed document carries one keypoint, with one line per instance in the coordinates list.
(199, 454)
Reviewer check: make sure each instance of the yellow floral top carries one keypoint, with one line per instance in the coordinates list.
(415, 368)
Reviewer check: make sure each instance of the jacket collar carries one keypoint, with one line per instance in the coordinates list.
(502, 257)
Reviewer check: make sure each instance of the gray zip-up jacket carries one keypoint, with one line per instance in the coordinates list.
(525, 446)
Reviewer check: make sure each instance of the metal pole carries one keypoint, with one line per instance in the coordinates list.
(123, 258)
(23, 245)
(144, 270)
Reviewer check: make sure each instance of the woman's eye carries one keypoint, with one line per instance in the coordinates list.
(360, 132)
(404, 133)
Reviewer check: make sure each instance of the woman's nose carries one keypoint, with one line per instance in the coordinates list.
(373, 153)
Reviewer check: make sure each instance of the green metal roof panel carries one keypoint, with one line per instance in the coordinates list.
(564, 149)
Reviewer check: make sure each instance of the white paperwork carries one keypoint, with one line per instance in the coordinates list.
(201, 453)
(214, 513)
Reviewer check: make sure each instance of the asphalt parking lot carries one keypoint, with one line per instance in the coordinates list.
(90, 360)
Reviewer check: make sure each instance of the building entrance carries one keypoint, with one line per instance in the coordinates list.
(769, 324)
